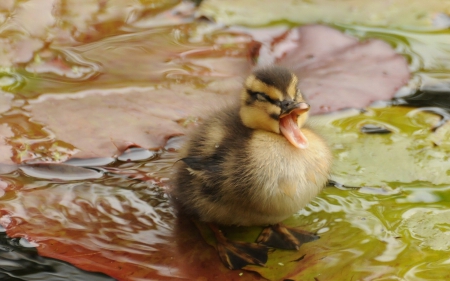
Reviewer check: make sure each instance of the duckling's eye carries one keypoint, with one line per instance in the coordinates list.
(261, 96)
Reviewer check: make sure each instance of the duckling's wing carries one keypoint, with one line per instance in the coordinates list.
(199, 163)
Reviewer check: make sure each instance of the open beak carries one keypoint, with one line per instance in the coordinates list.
(288, 123)
(297, 107)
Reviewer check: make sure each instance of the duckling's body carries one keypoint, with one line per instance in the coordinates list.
(235, 175)
(254, 163)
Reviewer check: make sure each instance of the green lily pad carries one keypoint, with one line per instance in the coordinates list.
(404, 13)
(410, 153)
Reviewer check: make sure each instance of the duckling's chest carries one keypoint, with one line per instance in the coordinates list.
(285, 173)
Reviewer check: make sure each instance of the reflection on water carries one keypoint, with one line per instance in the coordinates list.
(125, 220)
(115, 218)
(113, 214)
(19, 261)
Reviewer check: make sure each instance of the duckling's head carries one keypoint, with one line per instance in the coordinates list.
(270, 101)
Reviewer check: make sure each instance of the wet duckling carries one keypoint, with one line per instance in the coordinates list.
(254, 163)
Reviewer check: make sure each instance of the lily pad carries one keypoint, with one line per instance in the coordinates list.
(406, 155)
(404, 13)
(337, 71)
(142, 107)
(147, 117)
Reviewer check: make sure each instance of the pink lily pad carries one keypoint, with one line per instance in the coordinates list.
(147, 118)
(338, 71)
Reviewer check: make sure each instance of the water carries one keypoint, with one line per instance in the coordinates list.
(104, 84)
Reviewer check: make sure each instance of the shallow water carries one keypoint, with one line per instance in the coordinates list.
(387, 218)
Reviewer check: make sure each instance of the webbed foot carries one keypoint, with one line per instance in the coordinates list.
(236, 254)
(283, 237)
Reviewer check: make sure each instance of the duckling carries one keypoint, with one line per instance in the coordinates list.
(254, 163)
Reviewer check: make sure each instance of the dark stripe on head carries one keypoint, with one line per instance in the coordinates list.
(254, 96)
(276, 76)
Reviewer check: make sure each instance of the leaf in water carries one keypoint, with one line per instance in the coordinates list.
(93, 19)
(77, 21)
(63, 172)
(151, 112)
(406, 155)
(404, 13)
(194, 51)
(337, 71)
(136, 109)
(348, 66)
